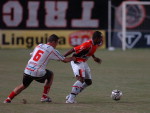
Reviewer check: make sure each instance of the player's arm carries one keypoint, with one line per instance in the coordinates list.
(69, 52)
(59, 57)
(96, 59)
(68, 59)
(33, 50)
(78, 49)
(31, 53)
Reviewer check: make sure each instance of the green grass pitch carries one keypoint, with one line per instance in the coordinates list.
(127, 71)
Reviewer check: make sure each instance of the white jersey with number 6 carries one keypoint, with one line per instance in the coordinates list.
(41, 55)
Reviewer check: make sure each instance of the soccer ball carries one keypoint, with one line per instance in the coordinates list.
(116, 94)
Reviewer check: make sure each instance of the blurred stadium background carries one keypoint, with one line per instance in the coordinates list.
(24, 24)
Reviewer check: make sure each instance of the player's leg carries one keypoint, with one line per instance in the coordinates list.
(47, 86)
(47, 79)
(27, 79)
(88, 78)
(78, 69)
(76, 89)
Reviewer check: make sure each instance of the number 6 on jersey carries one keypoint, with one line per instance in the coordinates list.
(38, 55)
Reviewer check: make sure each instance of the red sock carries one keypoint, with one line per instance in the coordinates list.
(46, 90)
(12, 95)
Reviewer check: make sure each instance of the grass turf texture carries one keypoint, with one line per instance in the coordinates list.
(127, 71)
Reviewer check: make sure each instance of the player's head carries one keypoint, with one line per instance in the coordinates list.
(97, 38)
(53, 40)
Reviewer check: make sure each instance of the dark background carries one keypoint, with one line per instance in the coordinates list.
(100, 12)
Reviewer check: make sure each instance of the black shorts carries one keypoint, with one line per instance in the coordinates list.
(27, 79)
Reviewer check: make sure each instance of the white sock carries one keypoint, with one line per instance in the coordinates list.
(76, 88)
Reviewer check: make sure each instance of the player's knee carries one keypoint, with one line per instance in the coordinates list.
(50, 75)
(88, 81)
(25, 85)
(81, 79)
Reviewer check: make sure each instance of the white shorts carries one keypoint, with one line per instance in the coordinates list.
(81, 69)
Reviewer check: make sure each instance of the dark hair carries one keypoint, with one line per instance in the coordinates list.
(53, 38)
(97, 34)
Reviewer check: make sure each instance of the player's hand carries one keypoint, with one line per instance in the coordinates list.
(98, 60)
(74, 58)
(68, 59)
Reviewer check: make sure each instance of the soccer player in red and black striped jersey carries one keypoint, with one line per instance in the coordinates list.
(80, 68)
(36, 68)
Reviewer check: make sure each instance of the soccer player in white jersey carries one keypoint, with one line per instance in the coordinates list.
(36, 68)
